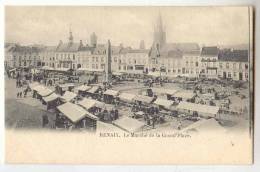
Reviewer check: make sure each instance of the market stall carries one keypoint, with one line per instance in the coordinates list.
(202, 110)
(51, 101)
(145, 100)
(77, 116)
(163, 103)
(184, 95)
(129, 124)
(81, 90)
(68, 96)
(110, 95)
(61, 88)
(126, 97)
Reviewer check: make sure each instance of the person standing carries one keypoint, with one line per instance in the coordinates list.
(45, 120)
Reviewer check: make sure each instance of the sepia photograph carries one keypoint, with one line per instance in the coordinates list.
(157, 79)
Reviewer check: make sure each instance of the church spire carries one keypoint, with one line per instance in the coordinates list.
(159, 33)
(70, 36)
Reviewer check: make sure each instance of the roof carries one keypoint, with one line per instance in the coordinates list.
(44, 91)
(51, 97)
(67, 47)
(47, 68)
(209, 51)
(33, 85)
(129, 124)
(234, 56)
(205, 125)
(68, 96)
(164, 91)
(126, 97)
(176, 50)
(145, 51)
(206, 109)
(89, 103)
(66, 85)
(23, 49)
(62, 69)
(144, 99)
(93, 89)
(184, 94)
(74, 112)
(111, 92)
(49, 48)
(83, 88)
(100, 49)
(162, 102)
(102, 126)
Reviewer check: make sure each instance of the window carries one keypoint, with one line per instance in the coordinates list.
(240, 66)
(96, 59)
(246, 75)
(227, 65)
(115, 59)
(234, 66)
(220, 65)
(93, 59)
(73, 56)
(102, 59)
(246, 66)
(235, 74)
(229, 75)
(96, 66)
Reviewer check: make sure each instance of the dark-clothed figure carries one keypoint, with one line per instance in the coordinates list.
(45, 120)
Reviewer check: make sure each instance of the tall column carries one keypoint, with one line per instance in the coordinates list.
(108, 70)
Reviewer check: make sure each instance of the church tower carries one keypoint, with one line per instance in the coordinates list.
(159, 33)
(93, 39)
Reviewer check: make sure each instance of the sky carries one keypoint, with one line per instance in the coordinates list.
(128, 25)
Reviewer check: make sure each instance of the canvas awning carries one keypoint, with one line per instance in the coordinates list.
(83, 69)
(144, 99)
(162, 102)
(33, 85)
(62, 69)
(89, 103)
(47, 68)
(82, 88)
(101, 126)
(164, 91)
(117, 73)
(93, 90)
(66, 85)
(74, 112)
(126, 97)
(50, 98)
(129, 124)
(111, 92)
(68, 96)
(184, 94)
(211, 111)
(37, 87)
(205, 125)
(44, 91)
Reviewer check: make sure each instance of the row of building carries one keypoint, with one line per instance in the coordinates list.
(170, 59)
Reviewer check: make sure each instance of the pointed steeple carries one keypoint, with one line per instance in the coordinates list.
(70, 37)
(159, 33)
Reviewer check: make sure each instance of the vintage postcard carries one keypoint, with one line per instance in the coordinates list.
(128, 85)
